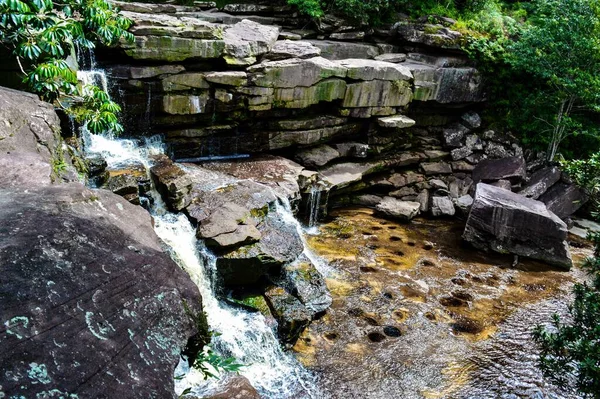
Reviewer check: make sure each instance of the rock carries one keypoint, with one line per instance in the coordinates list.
(462, 166)
(564, 199)
(506, 222)
(173, 184)
(442, 206)
(429, 35)
(303, 280)
(471, 119)
(369, 200)
(437, 184)
(234, 387)
(377, 93)
(446, 85)
(476, 158)
(541, 181)
(495, 150)
(283, 139)
(461, 153)
(399, 180)
(343, 174)
(291, 315)
(176, 104)
(435, 155)
(505, 184)
(247, 40)
(129, 182)
(463, 204)
(146, 72)
(397, 122)
(423, 199)
(84, 272)
(512, 169)
(402, 210)
(229, 78)
(362, 69)
(404, 192)
(184, 81)
(333, 50)
(351, 36)
(284, 49)
(280, 244)
(392, 57)
(453, 135)
(436, 168)
(352, 150)
(289, 36)
(29, 140)
(295, 72)
(317, 156)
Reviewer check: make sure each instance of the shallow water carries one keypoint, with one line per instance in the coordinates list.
(418, 315)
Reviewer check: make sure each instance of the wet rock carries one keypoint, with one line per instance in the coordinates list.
(279, 244)
(512, 169)
(436, 168)
(442, 206)
(317, 156)
(284, 49)
(172, 183)
(291, 315)
(402, 210)
(397, 122)
(506, 222)
(235, 387)
(303, 280)
(541, 181)
(446, 85)
(564, 199)
(127, 181)
(84, 272)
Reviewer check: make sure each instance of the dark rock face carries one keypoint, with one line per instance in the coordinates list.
(564, 199)
(540, 182)
(236, 387)
(291, 315)
(506, 222)
(512, 169)
(90, 303)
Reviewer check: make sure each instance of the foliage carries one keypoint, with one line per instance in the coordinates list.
(586, 174)
(42, 34)
(210, 364)
(560, 52)
(571, 350)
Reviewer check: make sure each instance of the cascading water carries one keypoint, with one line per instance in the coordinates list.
(313, 204)
(248, 337)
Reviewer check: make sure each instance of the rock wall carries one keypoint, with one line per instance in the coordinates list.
(90, 303)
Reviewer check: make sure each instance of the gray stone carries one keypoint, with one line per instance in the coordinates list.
(377, 93)
(289, 36)
(462, 166)
(442, 206)
(436, 168)
(362, 69)
(446, 85)
(564, 199)
(369, 200)
(284, 49)
(397, 122)
(247, 40)
(471, 119)
(350, 36)
(512, 169)
(461, 153)
(505, 184)
(454, 135)
(353, 150)
(402, 210)
(463, 204)
(423, 199)
(506, 222)
(291, 315)
(146, 72)
(404, 192)
(541, 181)
(496, 150)
(333, 50)
(295, 72)
(172, 183)
(317, 156)
(229, 78)
(437, 183)
(429, 35)
(392, 57)
(343, 174)
(184, 81)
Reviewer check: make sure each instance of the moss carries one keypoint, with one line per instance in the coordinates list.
(432, 29)
(257, 302)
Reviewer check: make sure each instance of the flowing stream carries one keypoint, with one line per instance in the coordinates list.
(247, 336)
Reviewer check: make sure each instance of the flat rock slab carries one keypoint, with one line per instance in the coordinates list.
(505, 222)
(564, 199)
(489, 170)
(397, 121)
(284, 49)
(90, 304)
(541, 181)
(317, 156)
(397, 209)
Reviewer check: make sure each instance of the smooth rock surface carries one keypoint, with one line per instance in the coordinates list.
(506, 222)
(402, 210)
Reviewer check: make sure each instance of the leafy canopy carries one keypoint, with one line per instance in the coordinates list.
(42, 34)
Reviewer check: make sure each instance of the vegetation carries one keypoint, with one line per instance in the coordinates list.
(570, 351)
(586, 174)
(43, 34)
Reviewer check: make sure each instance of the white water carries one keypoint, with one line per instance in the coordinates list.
(248, 337)
(313, 205)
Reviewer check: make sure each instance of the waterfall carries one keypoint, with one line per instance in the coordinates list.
(313, 205)
(247, 336)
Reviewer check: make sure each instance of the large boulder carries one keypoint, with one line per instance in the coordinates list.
(506, 222)
(90, 304)
(541, 181)
(397, 209)
(564, 199)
